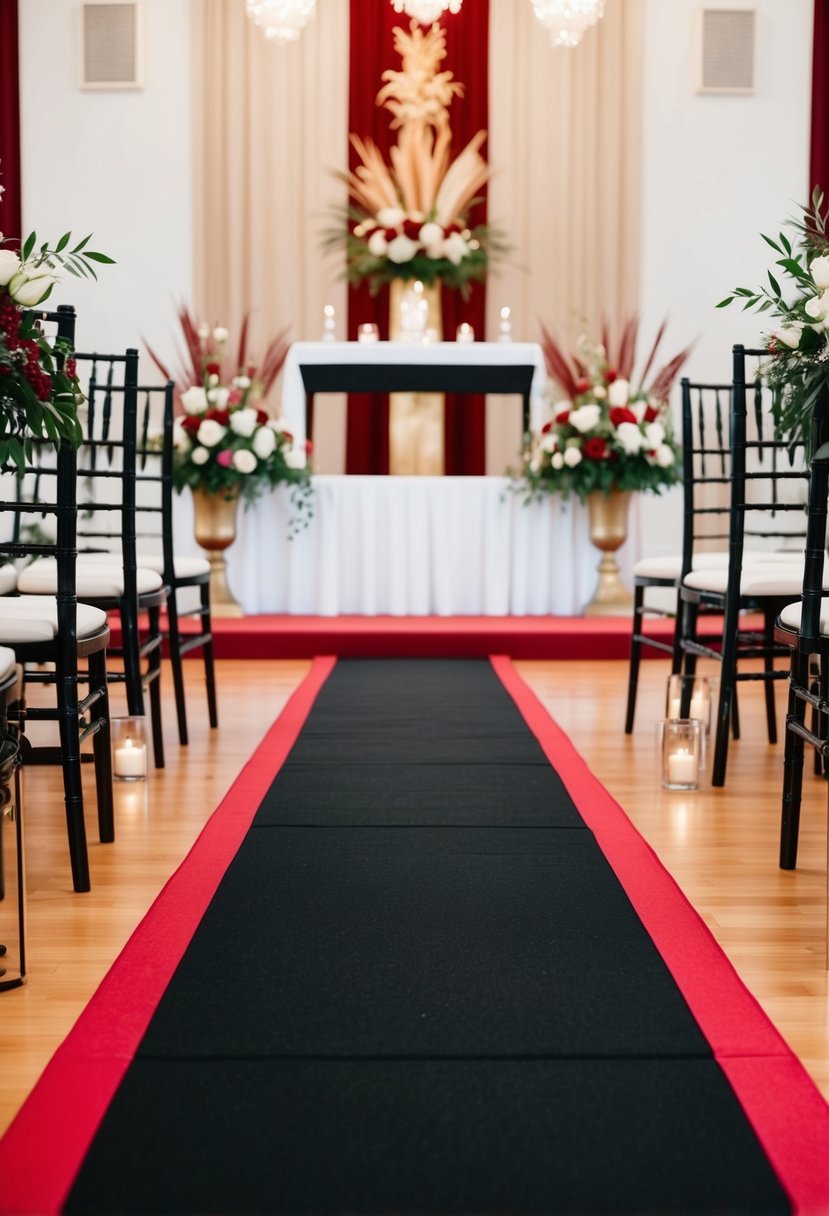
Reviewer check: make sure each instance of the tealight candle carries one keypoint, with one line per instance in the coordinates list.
(682, 767)
(681, 747)
(368, 332)
(464, 332)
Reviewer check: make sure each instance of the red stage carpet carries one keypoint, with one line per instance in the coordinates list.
(40, 1154)
(524, 637)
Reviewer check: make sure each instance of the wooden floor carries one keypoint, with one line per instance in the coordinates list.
(720, 845)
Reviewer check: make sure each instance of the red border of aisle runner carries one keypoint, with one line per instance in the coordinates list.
(782, 1103)
(63, 1111)
(66, 1106)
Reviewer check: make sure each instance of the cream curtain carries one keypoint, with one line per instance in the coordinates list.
(271, 124)
(564, 139)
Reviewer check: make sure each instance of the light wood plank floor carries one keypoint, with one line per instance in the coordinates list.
(721, 846)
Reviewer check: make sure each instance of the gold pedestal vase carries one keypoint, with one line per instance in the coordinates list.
(214, 527)
(415, 419)
(608, 523)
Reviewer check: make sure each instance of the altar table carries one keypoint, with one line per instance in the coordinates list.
(466, 367)
(413, 546)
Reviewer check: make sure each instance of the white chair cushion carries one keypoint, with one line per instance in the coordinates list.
(8, 578)
(757, 579)
(790, 616)
(670, 567)
(184, 567)
(34, 618)
(95, 579)
(8, 662)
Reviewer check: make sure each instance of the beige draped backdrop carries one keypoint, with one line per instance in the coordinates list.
(271, 126)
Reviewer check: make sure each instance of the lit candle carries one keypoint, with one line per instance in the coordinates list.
(368, 332)
(505, 334)
(682, 767)
(329, 325)
(130, 760)
(673, 708)
(699, 707)
(465, 332)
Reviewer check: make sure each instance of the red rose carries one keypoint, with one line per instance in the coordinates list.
(391, 233)
(582, 385)
(236, 397)
(191, 423)
(287, 437)
(214, 369)
(262, 416)
(224, 458)
(610, 375)
(220, 416)
(651, 414)
(309, 446)
(411, 229)
(547, 427)
(619, 414)
(595, 448)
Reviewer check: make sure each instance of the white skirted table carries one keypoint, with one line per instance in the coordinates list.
(413, 546)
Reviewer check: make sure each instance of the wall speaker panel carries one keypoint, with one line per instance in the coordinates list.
(727, 50)
(112, 50)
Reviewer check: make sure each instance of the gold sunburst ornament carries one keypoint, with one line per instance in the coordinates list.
(409, 218)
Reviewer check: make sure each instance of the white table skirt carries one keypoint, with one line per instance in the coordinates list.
(413, 546)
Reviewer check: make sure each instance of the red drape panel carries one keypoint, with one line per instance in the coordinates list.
(819, 160)
(372, 51)
(10, 211)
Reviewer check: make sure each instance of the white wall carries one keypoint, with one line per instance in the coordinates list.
(717, 171)
(115, 163)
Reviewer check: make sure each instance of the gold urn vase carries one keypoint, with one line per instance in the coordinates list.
(214, 527)
(415, 419)
(608, 523)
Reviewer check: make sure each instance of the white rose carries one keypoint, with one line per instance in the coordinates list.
(220, 334)
(430, 234)
(211, 432)
(599, 392)
(212, 380)
(390, 217)
(218, 397)
(820, 270)
(181, 440)
(665, 456)
(638, 409)
(572, 457)
(618, 393)
(455, 248)
(194, 400)
(200, 455)
(203, 331)
(378, 246)
(630, 437)
(535, 465)
(9, 266)
(278, 424)
(585, 418)
(790, 334)
(818, 306)
(264, 442)
(562, 407)
(557, 460)
(243, 422)
(295, 458)
(241, 381)
(548, 442)
(29, 288)
(402, 249)
(244, 461)
(655, 434)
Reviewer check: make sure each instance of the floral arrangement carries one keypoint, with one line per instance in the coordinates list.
(408, 220)
(225, 441)
(39, 390)
(798, 367)
(605, 432)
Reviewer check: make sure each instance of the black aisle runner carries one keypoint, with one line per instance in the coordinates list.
(420, 988)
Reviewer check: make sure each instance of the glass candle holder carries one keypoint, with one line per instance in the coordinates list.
(368, 332)
(689, 697)
(505, 327)
(129, 749)
(464, 332)
(329, 324)
(680, 750)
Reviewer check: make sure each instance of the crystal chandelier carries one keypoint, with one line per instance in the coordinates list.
(426, 11)
(280, 20)
(567, 20)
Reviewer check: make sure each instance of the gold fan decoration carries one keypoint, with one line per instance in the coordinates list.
(408, 219)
